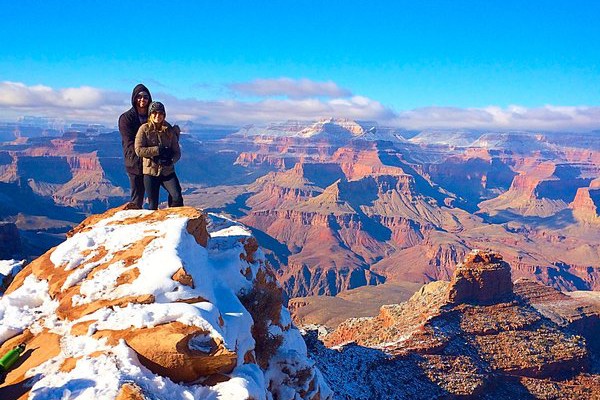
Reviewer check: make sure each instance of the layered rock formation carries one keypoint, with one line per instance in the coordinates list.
(542, 189)
(279, 152)
(334, 129)
(339, 219)
(473, 336)
(70, 170)
(483, 278)
(371, 215)
(474, 176)
(586, 204)
(141, 304)
(341, 203)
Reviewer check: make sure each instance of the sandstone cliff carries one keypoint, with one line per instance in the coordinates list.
(385, 209)
(586, 204)
(368, 215)
(474, 336)
(140, 304)
(542, 188)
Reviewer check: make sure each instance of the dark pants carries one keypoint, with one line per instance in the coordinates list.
(136, 182)
(170, 182)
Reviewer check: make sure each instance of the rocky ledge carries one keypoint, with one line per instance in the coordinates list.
(477, 335)
(163, 304)
(483, 278)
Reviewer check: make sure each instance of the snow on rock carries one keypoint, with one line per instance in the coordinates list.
(478, 336)
(171, 304)
(8, 269)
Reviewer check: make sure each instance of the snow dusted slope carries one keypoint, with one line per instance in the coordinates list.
(142, 303)
(8, 269)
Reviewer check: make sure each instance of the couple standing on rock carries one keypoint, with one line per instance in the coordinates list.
(151, 148)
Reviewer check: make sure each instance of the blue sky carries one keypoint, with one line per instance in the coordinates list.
(397, 61)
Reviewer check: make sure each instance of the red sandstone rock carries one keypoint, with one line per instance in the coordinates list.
(481, 176)
(185, 343)
(586, 204)
(483, 278)
(130, 391)
(472, 338)
(165, 350)
(183, 277)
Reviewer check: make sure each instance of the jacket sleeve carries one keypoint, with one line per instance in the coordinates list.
(175, 147)
(141, 148)
(127, 138)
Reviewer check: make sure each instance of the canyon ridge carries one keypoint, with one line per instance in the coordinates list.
(340, 204)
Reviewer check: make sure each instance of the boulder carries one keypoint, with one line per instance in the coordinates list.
(170, 350)
(483, 278)
(140, 304)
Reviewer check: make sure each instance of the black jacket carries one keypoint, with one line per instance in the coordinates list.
(129, 123)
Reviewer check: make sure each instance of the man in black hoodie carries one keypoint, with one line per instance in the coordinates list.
(129, 123)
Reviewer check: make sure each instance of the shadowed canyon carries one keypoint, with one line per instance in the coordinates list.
(341, 204)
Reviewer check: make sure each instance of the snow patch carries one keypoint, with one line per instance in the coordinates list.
(218, 275)
(10, 267)
(24, 307)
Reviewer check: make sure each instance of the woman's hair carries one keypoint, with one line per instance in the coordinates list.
(156, 106)
(154, 126)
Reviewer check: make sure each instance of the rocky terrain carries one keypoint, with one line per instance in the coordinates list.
(330, 311)
(372, 214)
(8, 269)
(137, 304)
(339, 207)
(49, 184)
(341, 204)
(476, 336)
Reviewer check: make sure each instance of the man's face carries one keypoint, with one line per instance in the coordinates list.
(142, 100)
(157, 117)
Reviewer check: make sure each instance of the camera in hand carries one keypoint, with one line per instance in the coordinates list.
(165, 156)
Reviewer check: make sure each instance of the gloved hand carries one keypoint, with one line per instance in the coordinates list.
(165, 161)
(165, 155)
(165, 152)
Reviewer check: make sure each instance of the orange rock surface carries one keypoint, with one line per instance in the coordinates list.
(476, 333)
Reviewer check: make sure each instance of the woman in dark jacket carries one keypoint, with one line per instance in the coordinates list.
(158, 145)
(129, 123)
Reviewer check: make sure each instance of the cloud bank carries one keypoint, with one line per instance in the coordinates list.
(84, 103)
(304, 100)
(546, 118)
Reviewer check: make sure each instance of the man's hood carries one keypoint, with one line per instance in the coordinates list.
(136, 90)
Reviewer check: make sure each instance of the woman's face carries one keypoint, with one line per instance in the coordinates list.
(157, 117)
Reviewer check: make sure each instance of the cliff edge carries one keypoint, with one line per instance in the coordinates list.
(138, 304)
(478, 335)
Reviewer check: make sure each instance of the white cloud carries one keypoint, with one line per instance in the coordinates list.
(292, 88)
(271, 110)
(550, 118)
(97, 105)
(16, 94)
(82, 103)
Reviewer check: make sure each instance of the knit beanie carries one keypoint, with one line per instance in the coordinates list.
(157, 106)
